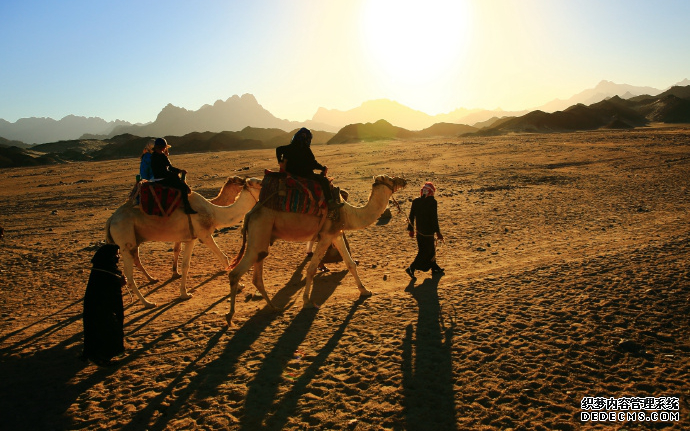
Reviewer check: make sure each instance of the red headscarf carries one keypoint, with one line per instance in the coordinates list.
(428, 189)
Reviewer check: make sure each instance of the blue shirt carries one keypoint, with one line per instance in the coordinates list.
(145, 167)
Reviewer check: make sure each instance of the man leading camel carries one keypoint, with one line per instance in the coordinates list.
(301, 162)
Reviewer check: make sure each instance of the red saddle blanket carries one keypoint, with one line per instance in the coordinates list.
(282, 192)
(158, 200)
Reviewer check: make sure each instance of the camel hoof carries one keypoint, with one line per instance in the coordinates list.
(365, 293)
(186, 296)
(228, 319)
(150, 305)
(310, 305)
(240, 287)
(153, 280)
(175, 275)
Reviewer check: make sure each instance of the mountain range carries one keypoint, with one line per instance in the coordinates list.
(238, 112)
(671, 106)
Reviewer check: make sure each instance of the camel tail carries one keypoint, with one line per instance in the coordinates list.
(108, 238)
(240, 253)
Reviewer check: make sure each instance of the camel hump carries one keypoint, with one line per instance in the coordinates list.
(281, 191)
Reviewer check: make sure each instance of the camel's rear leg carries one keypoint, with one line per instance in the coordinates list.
(176, 258)
(128, 265)
(234, 277)
(339, 244)
(319, 253)
(258, 281)
(138, 264)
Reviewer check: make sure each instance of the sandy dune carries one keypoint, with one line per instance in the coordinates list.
(567, 263)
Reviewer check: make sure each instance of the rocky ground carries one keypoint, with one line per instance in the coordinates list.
(567, 276)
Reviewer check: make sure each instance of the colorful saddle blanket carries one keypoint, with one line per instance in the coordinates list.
(282, 192)
(157, 200)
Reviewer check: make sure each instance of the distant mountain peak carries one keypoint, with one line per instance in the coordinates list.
(247, 97)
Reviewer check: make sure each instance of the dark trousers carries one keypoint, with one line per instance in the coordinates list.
(177, 183)
(426, 254)
(324, 183)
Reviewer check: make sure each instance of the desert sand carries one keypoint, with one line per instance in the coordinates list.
(567, 276)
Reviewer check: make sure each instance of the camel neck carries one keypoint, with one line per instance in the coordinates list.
(231, 214)
(360, 217)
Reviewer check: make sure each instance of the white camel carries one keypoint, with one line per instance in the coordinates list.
(226, 196)
(128, 227)
(262, 226)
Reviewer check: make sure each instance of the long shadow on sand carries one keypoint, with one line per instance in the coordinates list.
(37, 389)
(209, 377)
(259, 403)
(427, 363)
(263, 389)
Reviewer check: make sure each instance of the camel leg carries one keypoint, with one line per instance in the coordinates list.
(128, 265)
(258, 281)
(186, 258)
(138, 264)
(339, 244)
(319, 253)
(176, 258)
(210, 242)
(234, 277)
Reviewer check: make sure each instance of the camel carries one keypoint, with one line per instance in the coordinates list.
(262, 226)
(128, 227)
(226, 196)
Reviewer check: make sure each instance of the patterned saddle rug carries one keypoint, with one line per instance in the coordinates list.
(282, 192)
(154, 199)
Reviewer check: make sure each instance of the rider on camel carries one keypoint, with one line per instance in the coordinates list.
(300, 161)
(168, 174)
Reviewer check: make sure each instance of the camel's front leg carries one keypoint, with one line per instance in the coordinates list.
(186, 259)
(128, 265)
(319, 253)
(339, 244)
(137, 263)
(210, 242)
(176, 258)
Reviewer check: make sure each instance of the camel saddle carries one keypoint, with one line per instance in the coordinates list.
(155, 199)
(281, 191)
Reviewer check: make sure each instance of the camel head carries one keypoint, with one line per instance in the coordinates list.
(395, 183)
(253, 183)
(234, 181)
(229, 192)
(253, 186)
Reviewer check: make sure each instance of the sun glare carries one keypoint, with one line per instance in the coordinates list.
(414, 42)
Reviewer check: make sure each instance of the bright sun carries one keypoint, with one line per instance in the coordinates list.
(414, 42)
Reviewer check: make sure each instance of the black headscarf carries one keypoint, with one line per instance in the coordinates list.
(302, 137)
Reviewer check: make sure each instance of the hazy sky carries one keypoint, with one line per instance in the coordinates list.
(127, 59)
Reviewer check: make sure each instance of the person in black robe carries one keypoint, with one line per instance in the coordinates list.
(168, 175)
(424, 211)
(300, 161)
(103, 309)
